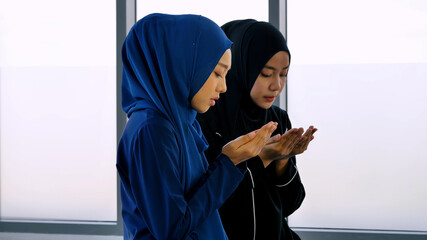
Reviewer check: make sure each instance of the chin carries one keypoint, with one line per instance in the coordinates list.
(202, 110)
(265, 106)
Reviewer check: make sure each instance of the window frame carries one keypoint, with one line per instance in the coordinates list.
(125, 18)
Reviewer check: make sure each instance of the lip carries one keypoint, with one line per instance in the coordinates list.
(269, 98)
(213, 101)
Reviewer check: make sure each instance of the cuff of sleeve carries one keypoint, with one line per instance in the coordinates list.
(229, 164)
(288, 175)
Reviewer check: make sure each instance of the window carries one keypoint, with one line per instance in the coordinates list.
(358, 73)
(58, 111)
(221, 11)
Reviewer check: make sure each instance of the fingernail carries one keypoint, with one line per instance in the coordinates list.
(251, 135)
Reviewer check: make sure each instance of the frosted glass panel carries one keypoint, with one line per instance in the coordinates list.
(358, 73)
(58, 110)
(220, 11)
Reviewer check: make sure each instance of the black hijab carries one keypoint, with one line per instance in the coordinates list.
(235, 114)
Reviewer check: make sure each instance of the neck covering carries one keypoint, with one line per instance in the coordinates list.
(166, 60)
(254, 43)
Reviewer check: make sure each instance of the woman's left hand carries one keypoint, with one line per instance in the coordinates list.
(305, 140)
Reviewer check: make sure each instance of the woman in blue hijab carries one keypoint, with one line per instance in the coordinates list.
(173, 67)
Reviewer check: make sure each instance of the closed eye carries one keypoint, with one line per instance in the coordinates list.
(218, 75)
(265, 75)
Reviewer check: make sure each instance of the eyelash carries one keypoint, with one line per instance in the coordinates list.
(218, 75)
(281, 75)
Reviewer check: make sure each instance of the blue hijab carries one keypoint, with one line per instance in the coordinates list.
(166, 60)
(168, 190)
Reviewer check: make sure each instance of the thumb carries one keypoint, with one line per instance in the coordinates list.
(242, 140)
(246, 138)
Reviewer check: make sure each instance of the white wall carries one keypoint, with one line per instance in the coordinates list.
(58, 110)
(358, 73)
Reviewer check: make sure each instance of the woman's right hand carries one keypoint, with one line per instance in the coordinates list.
(249, 145)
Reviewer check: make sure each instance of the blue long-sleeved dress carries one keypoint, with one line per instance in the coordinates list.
(167, 194)
(168, 189)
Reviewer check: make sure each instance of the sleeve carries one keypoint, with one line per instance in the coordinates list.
(158, 185)
(289, 185)
(212, 134)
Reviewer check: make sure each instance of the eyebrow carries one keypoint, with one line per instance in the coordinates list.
(272, 68)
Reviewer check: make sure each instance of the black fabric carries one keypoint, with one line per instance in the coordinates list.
(235, 114)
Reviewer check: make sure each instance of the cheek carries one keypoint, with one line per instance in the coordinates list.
(256, 92)
(216, 86)
(253, 93)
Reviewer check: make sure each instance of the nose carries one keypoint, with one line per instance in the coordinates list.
(222, 86)
(276, 83)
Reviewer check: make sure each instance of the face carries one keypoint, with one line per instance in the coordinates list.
(209, 93)
(271, 80)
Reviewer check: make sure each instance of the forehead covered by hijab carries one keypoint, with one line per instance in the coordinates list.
(167, 59)
(254, 44)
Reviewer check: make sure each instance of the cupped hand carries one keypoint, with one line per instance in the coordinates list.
(249, 145)
(281, 146)
(305, 140)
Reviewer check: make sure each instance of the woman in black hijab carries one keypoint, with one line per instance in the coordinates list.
(272, 188)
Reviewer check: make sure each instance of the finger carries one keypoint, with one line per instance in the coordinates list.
(310, 136)
(308, 140)
(242, 140)
(264, 134)
(292, 130)
(252, 135)
(298, 136)
(309, 131)
(299, 144)
(300, 131)
(288, 138)
(276, 138)
(314, 130)
(289, 134)
(292, 133)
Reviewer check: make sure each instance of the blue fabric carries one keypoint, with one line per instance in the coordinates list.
(168, 190)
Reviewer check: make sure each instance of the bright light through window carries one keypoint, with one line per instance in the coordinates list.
(220, 11)
(58, 110)
(358, 73)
